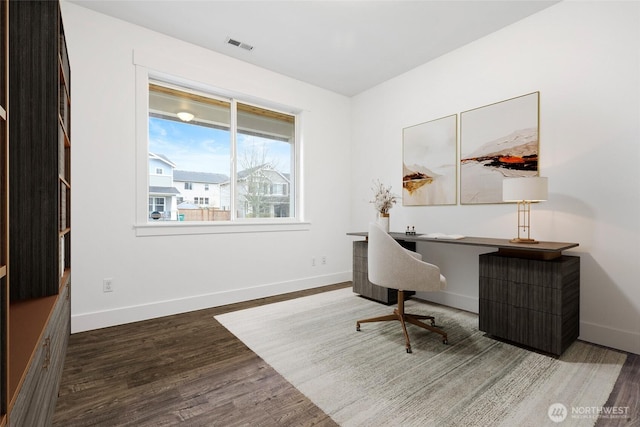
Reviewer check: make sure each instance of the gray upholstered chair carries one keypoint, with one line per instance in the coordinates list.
(392, 266)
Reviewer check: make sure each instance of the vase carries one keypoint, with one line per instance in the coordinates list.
(383, 221)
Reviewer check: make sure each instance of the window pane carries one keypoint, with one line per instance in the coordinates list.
(265, 147)
(191, 137)
(193, 153)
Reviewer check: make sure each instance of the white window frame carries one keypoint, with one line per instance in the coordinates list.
(145, 66)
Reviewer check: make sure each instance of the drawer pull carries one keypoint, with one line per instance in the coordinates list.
(47, 353)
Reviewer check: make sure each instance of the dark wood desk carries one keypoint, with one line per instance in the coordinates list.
(528, 293)
(540, 250)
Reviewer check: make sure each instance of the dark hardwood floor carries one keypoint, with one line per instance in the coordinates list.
(187, 369)
(625, 394)
(182, 369)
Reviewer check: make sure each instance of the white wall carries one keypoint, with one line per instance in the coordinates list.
(584, 58)
(155, 276)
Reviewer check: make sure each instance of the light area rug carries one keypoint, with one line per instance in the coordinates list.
(366, 378)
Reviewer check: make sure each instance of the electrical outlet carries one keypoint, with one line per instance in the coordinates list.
(323, 260)
(107, 285)
(313, 261)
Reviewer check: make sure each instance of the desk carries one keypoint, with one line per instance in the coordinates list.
(540, 250)
(528, 293)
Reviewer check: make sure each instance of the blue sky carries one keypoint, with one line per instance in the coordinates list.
(203, 149)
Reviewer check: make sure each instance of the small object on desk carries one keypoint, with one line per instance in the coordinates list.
(443, 236)
(411, 232)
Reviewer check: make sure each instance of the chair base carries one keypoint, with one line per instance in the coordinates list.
(400, 315)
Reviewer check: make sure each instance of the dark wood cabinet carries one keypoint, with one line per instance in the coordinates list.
(4, 209)
(531, 302)
(36, 198)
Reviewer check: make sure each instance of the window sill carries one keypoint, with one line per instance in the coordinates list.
(187, 228)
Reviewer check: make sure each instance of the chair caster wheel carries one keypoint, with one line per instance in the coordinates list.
(444, 341)
(408, 349)
(433, 323)
(357, 327)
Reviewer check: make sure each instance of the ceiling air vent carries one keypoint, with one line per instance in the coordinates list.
(239, 44)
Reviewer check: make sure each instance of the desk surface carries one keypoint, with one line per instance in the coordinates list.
(503, 244)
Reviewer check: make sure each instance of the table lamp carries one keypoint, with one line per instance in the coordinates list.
(524, 190)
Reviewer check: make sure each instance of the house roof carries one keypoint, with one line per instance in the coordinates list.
(205, 177)
(163, 191)
(163, 158)
(266, 169)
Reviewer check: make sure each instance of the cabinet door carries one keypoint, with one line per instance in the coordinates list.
(33, 143)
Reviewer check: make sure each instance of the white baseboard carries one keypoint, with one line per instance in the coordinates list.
(462, 302)
(625, 340)
(101, 319)
(610, 337)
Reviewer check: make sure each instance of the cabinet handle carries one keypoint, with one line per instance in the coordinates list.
(47, 353)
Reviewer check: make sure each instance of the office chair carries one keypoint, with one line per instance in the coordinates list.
(392, 266)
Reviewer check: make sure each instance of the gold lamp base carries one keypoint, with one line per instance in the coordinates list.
(523, 240)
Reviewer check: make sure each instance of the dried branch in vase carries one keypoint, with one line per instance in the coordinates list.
(383, 198)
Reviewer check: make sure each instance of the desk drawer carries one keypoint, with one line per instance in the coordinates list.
(530, 302)
(522, 295)
(542, 331)
(556, 273)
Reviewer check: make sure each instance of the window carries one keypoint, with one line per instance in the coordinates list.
(156, 204)
(242, 155)
(279, 189)
(159, 171)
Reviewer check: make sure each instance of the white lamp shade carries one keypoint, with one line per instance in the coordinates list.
(533, 189)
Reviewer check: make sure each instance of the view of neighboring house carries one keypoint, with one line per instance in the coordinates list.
(263, 192)
(173, 191)
(162, 193)
(199, 188)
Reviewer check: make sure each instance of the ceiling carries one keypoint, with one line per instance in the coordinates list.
(343, 46)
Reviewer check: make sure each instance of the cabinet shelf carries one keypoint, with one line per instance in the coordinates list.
(44, 332)
(65, 135)
(29, 317)
(63, 75)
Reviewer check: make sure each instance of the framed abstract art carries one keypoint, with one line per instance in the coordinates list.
(429, 163)
(497, 141)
